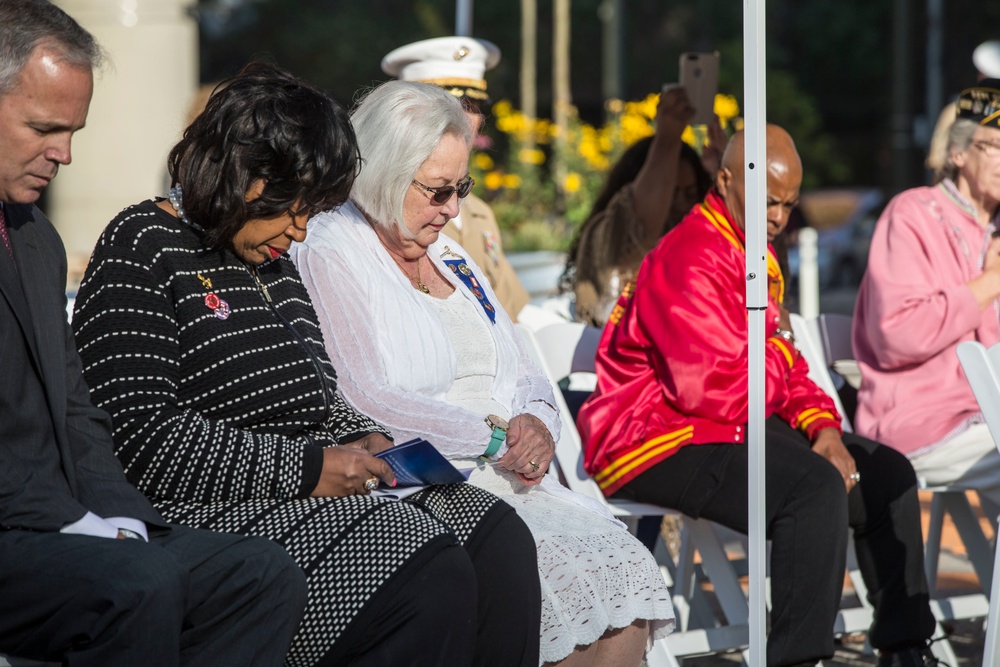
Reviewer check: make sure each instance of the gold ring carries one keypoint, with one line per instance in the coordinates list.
(371, 484)
(534, 466)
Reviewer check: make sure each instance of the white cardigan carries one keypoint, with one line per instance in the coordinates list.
(392, 352)
(394, 356)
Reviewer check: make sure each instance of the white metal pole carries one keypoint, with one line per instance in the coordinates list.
(754, 108)
(808, 273)
(463, 18)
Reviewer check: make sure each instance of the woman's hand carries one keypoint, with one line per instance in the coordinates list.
(528, 442)
(831, 447)
(347, 469)
(373, 443)
(986, 286)
(673, 113)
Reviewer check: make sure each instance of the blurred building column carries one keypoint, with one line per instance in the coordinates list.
(463, 17)
(901, 123)
(139, 109)
(561, 98)
(610, 12)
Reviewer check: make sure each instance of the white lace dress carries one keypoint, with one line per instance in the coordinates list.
(594, 574)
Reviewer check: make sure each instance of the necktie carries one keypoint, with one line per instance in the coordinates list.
(3, 232)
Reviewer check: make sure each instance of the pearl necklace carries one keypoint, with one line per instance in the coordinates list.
(176, 197)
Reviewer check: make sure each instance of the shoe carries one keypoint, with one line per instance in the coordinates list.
(915, 656)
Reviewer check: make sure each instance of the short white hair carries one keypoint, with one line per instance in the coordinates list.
(959, 139)
(398, 126)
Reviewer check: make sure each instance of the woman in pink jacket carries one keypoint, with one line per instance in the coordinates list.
(933, 281)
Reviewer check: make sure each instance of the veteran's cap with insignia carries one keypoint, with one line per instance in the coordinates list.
(981, 103)
(457, 64)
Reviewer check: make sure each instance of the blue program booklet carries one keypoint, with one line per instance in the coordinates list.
(419, 463)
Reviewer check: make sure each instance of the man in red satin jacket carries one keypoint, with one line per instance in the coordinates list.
(667, 425)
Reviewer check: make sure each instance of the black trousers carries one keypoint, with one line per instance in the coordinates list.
(479, 605)
(807, 516)
(189, 597)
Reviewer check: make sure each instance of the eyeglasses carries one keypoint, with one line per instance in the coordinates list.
(989, 148)
(442, 195)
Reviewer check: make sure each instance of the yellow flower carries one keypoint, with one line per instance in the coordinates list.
(614, 105)
(726, 108)
(511, 181)
(502, 108)
(635, 127)
(531, 156)
(483, 162)
(689, 137)
(493, 180)
(572, 182)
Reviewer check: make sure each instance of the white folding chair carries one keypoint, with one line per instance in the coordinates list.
(850, 619)
(562, 349)
(982, 368)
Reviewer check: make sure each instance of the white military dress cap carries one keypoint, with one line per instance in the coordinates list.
(986, 59)
(457, 64)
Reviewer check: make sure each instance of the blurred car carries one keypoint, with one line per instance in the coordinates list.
(844, 220)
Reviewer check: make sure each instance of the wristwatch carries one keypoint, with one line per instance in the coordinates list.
(499, 426)
(787, 335)
(126, 534)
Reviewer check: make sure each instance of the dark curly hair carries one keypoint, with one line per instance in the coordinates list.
(623, 172)
(264, 124)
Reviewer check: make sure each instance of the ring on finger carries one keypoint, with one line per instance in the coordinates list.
(534, 466)
(855, 477)
(371, 484)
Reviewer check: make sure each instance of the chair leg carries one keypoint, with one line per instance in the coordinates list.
(970, 531)
(991, 648)
(932, 551)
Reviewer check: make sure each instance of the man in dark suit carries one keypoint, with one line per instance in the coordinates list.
(90, 574)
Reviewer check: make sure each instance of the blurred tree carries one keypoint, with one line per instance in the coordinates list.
(828, 63)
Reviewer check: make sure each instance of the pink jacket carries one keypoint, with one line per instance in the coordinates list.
(913, 310)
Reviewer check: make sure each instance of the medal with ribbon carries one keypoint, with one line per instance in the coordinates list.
(460, 268)
(219, 306)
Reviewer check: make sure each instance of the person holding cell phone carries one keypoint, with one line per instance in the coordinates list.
(652, 186)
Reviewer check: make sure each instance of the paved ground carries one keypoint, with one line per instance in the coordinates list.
(955, 577)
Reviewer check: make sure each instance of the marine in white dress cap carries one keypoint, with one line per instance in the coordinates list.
(457, 64)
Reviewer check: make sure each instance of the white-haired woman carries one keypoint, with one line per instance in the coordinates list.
(933, 281)
(422, 346)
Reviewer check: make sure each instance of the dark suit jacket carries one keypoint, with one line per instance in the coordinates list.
(56, 456)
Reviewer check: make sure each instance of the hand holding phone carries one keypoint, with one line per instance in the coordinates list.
(699, 74)
(674, 112)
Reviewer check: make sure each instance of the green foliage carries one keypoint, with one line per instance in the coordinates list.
(828, 80)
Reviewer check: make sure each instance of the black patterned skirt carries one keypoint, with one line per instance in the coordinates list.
(347, 547)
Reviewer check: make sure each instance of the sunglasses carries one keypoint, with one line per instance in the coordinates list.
(443, 194)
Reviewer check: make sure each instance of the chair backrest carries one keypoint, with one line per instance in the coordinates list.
(560, 349)
(982, 368)
(835, 336)
(812, 350)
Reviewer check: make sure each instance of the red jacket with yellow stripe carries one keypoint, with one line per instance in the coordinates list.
(672, 362)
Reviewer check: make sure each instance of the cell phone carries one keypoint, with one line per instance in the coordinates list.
(699, 74)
